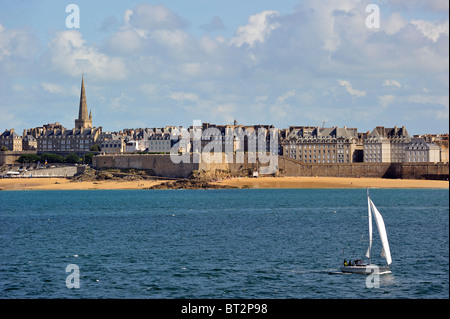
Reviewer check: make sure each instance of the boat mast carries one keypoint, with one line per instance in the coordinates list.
(368, 254)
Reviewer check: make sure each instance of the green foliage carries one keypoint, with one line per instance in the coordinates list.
(87, 159)
(95, 148)
(52, 158)
(72, 158)
(29, 158)
(4, 149)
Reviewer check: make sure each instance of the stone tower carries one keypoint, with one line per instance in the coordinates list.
(84, 120)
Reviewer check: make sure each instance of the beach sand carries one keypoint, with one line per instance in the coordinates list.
(66, 184)
(331, 182)
(261, 182)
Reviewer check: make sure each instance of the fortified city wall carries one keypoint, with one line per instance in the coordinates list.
(162, 165)
(10, 157)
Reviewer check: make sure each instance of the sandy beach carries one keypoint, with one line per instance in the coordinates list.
(262, 182)
(66, 184)
(331, 182)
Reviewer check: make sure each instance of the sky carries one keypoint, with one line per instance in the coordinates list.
(284, 62)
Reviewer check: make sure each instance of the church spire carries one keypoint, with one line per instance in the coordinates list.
(84, 120)
(83, 112)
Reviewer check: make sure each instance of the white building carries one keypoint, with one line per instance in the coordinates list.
(386, 145)
(134, 146)
(159, 143)
(418, 150)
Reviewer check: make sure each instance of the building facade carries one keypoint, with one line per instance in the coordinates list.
(11, 140)
(419, 150)
(311, 144)
(386, 145)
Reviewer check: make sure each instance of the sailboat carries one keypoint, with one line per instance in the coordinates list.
(360, 266)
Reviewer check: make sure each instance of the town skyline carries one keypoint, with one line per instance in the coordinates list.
(149, 64)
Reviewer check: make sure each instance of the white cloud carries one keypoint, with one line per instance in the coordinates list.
(16, 43)
(121, 102)
(385, 100)
(283, 97)
(350, 89)
(432, 29)
(182, 96)
(261, 98)
(60, 89)
(148, 89)
(257, 29)
(68, 53)
(127, 17)
(394, 23)
(392, 83)
(154, 17)
(216, 24)
(125, 41)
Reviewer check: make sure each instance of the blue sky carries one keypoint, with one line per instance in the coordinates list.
(287, 62)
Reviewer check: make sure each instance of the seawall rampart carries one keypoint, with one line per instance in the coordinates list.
(162, 165)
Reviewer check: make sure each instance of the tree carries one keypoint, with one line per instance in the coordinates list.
(52, 158)
(4, 149)
(95, 148)
(88, 158)
(72, 158)
(29, 158)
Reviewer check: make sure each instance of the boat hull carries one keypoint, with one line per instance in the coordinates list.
(365, 269)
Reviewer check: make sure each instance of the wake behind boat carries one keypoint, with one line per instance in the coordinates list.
(359, 266)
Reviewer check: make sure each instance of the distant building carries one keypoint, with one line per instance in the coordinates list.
(67, 141)
(29, 143)
(54, 138)
(11, 140)
(386, 145)
(442, 141)
(311, 144)
(134, 146)
(159, 143)
(111, 143)
(113, 146)
(419, 150)
(235, 138)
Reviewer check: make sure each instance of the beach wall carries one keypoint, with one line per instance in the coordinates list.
(291, 167)
(156, 164)
(65, 171)
(10, 157)
(222, 166)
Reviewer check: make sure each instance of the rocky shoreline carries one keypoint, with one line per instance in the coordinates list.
(189, 184)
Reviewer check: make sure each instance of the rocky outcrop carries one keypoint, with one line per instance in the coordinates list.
(189, 184)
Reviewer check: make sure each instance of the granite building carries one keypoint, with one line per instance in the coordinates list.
(386, 145)
(311, 144)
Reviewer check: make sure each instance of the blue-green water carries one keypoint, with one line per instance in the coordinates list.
(250, 243)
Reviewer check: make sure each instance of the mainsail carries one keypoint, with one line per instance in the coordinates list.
(385, 252)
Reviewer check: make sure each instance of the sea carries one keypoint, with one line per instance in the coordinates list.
(220, 244)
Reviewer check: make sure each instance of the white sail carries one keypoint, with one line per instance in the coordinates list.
(386, 252)
(370, 227)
